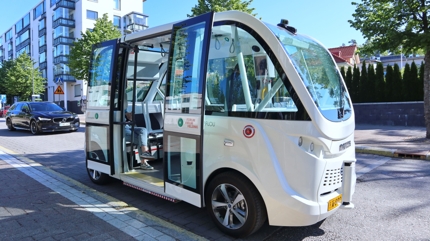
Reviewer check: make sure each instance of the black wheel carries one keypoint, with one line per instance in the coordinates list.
(235, 205)
(9, 124)
(96, 176)
(33, 128)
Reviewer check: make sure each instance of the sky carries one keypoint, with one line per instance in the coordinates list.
(324, 20)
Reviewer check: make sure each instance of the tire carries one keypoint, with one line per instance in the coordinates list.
(244, 207)
(33, 128)
(9, 124)
(96, 176)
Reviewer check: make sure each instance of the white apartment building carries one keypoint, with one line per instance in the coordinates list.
(48, 30)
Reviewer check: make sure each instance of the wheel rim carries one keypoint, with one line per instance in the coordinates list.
(9, 124)
(229, 206)
(33, 127)
(95, 174)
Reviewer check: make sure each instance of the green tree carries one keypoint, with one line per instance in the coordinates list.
(355, 85)
(379, 83)
(406, 83)
(415, 83)
(80, 53)
(371, 84)
(21, 78)
(348, 80)
(397, 84)
(204, 6)
(390, 24)
(362, 88)
(342, 72)
(389, 84)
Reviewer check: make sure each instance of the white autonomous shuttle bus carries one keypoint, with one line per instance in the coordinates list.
(245, 118)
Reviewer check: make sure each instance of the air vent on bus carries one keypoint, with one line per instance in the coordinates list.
(333, 177)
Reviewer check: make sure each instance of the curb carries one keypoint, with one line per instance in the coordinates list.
(390, 153)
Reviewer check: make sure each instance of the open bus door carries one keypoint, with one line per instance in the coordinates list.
(183, 126)
(99, 115)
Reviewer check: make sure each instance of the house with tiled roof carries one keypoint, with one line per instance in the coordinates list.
(345, 56)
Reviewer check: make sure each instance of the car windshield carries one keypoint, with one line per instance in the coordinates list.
(45, 107)
(318, 72)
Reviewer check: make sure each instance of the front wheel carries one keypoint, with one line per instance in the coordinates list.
(33, 128)
(235, 205)
(9, 124)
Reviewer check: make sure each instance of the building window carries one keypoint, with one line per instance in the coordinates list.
(39, 10)
(8, 35)
(42, 57)
(42, 24)
(42, 40)
(92, 15)
(117, 21)
(117, 4)
(77, 90)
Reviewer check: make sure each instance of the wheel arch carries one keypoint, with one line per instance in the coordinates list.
(227, 169)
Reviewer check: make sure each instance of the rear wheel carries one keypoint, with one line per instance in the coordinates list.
(96, 176)
(9, 124)
(235, 205)
(33, 128)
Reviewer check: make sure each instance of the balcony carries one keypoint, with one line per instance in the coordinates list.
(63, 22)
(135, 22)
(42, 32)
(23, 44)
(65, 4)
(63, 40)
(61, 59)
(23, 30)
(43, 65)
(42, 49)
(64, 77)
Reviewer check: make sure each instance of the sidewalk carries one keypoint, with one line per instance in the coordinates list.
(392, 141)
(37, 203)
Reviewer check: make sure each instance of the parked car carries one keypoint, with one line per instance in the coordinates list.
(3, 111)
(41, 117)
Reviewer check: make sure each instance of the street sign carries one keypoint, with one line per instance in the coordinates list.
(59, 91)
(59, 81)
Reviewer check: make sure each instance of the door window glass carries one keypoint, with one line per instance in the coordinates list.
(99, 85)
(185, 92)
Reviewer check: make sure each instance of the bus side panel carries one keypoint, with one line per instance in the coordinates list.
(287, 176)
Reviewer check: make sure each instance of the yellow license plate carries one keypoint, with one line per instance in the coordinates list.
(334, 202)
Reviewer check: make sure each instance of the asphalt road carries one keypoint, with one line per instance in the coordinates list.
(392, 200)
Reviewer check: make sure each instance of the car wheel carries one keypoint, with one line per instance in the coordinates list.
(9, 124)
(33, 128)
(235, 205)
(96, 176)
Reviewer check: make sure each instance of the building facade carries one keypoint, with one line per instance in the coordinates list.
(48, 31)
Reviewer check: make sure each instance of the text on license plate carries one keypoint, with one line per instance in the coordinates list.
(65, 124)
(334, 202)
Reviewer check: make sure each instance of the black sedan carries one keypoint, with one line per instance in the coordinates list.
(41, 117)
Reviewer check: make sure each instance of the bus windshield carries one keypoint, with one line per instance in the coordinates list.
(318, 72)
